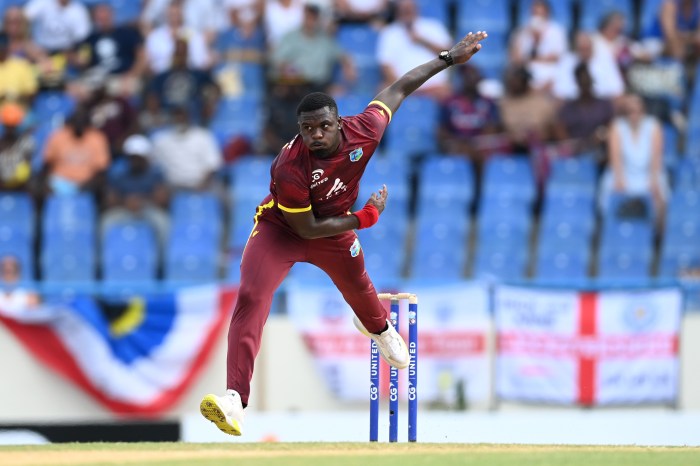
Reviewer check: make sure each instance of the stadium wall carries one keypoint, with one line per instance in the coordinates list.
(286, 380)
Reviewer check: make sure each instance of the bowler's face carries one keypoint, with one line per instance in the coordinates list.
(320, 131)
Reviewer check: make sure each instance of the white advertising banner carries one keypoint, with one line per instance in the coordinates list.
(605, 348)
(453, 329)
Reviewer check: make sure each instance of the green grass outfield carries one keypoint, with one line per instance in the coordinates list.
(330, 454)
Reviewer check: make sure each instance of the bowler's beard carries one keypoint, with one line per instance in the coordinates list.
(322, 153)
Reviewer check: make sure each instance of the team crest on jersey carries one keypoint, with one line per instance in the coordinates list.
(355, 248)
(356, 154)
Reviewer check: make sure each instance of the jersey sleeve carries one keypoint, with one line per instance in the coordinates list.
(374, 119)
(291, 191)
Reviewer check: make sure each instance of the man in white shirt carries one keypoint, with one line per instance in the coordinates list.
(410, 41)
(608, 82)
(160, 43)
(188, 155)
(58, 25)
(205, 16)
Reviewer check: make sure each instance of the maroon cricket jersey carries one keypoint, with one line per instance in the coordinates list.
(329, 186)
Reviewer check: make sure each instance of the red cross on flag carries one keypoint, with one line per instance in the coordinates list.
(602, 348)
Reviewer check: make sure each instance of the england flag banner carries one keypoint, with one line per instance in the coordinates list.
(585, 348)
(136, 357)
(453, 328)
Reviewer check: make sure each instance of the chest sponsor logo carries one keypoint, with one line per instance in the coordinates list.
(356, 154)
(317, 178)
(338, 187)
(355, 248)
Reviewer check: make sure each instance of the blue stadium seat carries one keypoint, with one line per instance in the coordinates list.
(648, 15)
(17, 212)
(592, 12)
(68, 255)
(129, 253)
(383, 170)
(631, 264)
(562, 12)
(52, 105)
(446, 178)
(627, 236)
(571, 205)
(242, 116)
(672, 263)
(578, 172)
(509, 176)
(683, 206)
(360, 41)
(503, 264)
(562, 266)
(192, 262)
(69, 213)
(352, 103)
(233, 269)
(440, 250)
(413, 127)
(16, 243)
(611, 209)
(127, 11)
(436, 9)
(560, 235)
(686, 174)
(383, 246)
(197, 210)
(483, 15)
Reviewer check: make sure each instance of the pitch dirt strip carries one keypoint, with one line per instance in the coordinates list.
(314, 454)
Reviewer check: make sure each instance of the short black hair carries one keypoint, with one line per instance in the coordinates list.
(316, 101)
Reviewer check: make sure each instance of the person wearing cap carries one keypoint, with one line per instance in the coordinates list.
(18, 80)
(16, 149)
(137, 190)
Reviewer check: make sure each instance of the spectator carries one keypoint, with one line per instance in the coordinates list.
(137, 190)
(527, 114)
(182, 86)
(203, 16)
(361, 11)
(241, 44)
(116, 51)
(16, 150)
(14, 298)
(17, 77)
(608, 82)
(188, 155)
(281, 17)
(584, 120)
(611, 38)
(111, 114)
(675, 30)
(152, 117)
(245, 15)
(160, 43)
(301, 63)
(76, 156)
(635, 157)
(20, 44)
(539, 45)
(58, 25)
(410, 41)
(469, 120)
(307, 56)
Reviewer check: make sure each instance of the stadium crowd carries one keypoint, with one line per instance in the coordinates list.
(127, 123)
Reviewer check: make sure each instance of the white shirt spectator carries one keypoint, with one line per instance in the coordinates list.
(365, 6)
(187, 157)
(280, 19)
(397, 50)
(202, 15)
(607, 77)
(160, 46)
(58, 27)
(552, 42)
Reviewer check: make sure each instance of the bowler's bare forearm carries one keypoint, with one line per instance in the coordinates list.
(407, 84)
(308, 226)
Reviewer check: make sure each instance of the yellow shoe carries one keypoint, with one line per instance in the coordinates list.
(224, 411)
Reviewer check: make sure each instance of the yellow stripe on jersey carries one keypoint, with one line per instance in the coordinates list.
(294, 211)
(384, 106)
